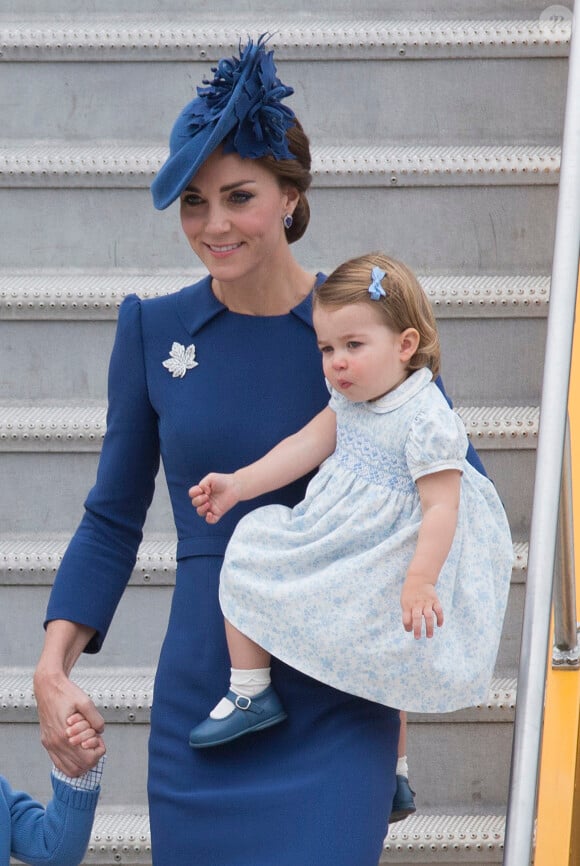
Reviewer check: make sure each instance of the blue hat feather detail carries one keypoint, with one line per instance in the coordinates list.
(240, 109)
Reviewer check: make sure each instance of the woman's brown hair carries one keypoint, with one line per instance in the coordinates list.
(294, 172)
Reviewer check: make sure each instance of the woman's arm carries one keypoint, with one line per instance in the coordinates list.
(58, 698)
(292, 458)
(439, 494)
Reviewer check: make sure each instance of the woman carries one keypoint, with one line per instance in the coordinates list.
(183, 385)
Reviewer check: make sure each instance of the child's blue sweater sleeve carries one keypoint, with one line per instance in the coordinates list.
(55, 836)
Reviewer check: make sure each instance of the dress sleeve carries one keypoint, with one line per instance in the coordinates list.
(436, 441)
(100, 558)
(472, 456)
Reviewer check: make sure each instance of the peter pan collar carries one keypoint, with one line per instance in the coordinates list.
(197, 305)
(401, 395)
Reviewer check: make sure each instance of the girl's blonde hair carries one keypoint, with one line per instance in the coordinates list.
(405, 304)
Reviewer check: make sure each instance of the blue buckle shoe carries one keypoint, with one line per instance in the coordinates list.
(403, 801)
(248, 715)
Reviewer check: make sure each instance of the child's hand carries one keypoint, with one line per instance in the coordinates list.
(419, 602)
(214, 496)
(80, 733)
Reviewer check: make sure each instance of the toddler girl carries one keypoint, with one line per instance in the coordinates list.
(396, 525)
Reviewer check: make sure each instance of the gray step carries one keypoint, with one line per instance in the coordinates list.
(28, 564)
(222, 9)
(446, 839)
(126, 165)
(421, 839)
(137, 67)
(58, 447)
(57, 330)
(454, 746)
(206, 36)
(70, 295)
(447, 210)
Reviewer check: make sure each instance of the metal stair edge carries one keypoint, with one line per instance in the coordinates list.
(477, 838)
(81, 428)
(124, 695)
(124, 837)
(116, 164)
(160, 38)
(32, 560)
(65, 294)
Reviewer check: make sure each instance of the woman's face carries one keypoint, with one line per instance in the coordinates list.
(232, 212)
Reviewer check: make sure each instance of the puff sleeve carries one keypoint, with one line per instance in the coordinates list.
(100, 558)
(436, 441)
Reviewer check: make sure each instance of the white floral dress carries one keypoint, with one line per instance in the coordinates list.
(319, 585)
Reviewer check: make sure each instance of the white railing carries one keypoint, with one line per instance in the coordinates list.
(549, 462)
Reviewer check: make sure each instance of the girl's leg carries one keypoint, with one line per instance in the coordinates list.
(250, 705)
(403, 802)
(244, 653)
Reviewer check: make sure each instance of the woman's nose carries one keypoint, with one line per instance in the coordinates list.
(217, 221)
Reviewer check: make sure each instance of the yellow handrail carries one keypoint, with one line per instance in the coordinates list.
(558, 814)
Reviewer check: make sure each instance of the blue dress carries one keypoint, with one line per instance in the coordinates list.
(320, 787)
(319, 585)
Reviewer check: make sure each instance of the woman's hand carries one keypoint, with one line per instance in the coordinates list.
(60, 700)
(419, 603)
(215, 495)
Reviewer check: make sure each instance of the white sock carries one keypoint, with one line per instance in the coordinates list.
(248, 683)
(402, 767)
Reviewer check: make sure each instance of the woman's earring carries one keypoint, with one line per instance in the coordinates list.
(288, 220)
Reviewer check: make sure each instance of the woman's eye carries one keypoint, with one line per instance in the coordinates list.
(353, 344)
(326, 350)
(190, 199)
(240, 197)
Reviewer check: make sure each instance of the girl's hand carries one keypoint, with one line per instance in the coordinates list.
(80, 733)
(419, 602)
(214, 496)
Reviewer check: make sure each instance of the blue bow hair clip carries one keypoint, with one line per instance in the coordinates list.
(376, 291)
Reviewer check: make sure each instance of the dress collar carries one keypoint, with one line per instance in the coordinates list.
(197, 305)
(401, 395)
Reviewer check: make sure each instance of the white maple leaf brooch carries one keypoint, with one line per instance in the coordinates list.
(180, 360)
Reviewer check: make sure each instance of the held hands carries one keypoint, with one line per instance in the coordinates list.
(215, 495)
(79, 732)
(71, 726)
(419, 602)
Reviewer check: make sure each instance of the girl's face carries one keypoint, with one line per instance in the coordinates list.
(232, 214)
(362, 358)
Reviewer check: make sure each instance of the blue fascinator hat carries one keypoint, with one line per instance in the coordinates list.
(240, 109)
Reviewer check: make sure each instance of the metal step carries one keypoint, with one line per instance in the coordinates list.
(28, 564)
(71, 295)
(454, 746)
(58, 446)
(420, 839)
(157, 38)
(439, 215)
(446, 839)
(127, 165)
(125, 695)
(76, 429)
(33, 560)
(59, 10)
